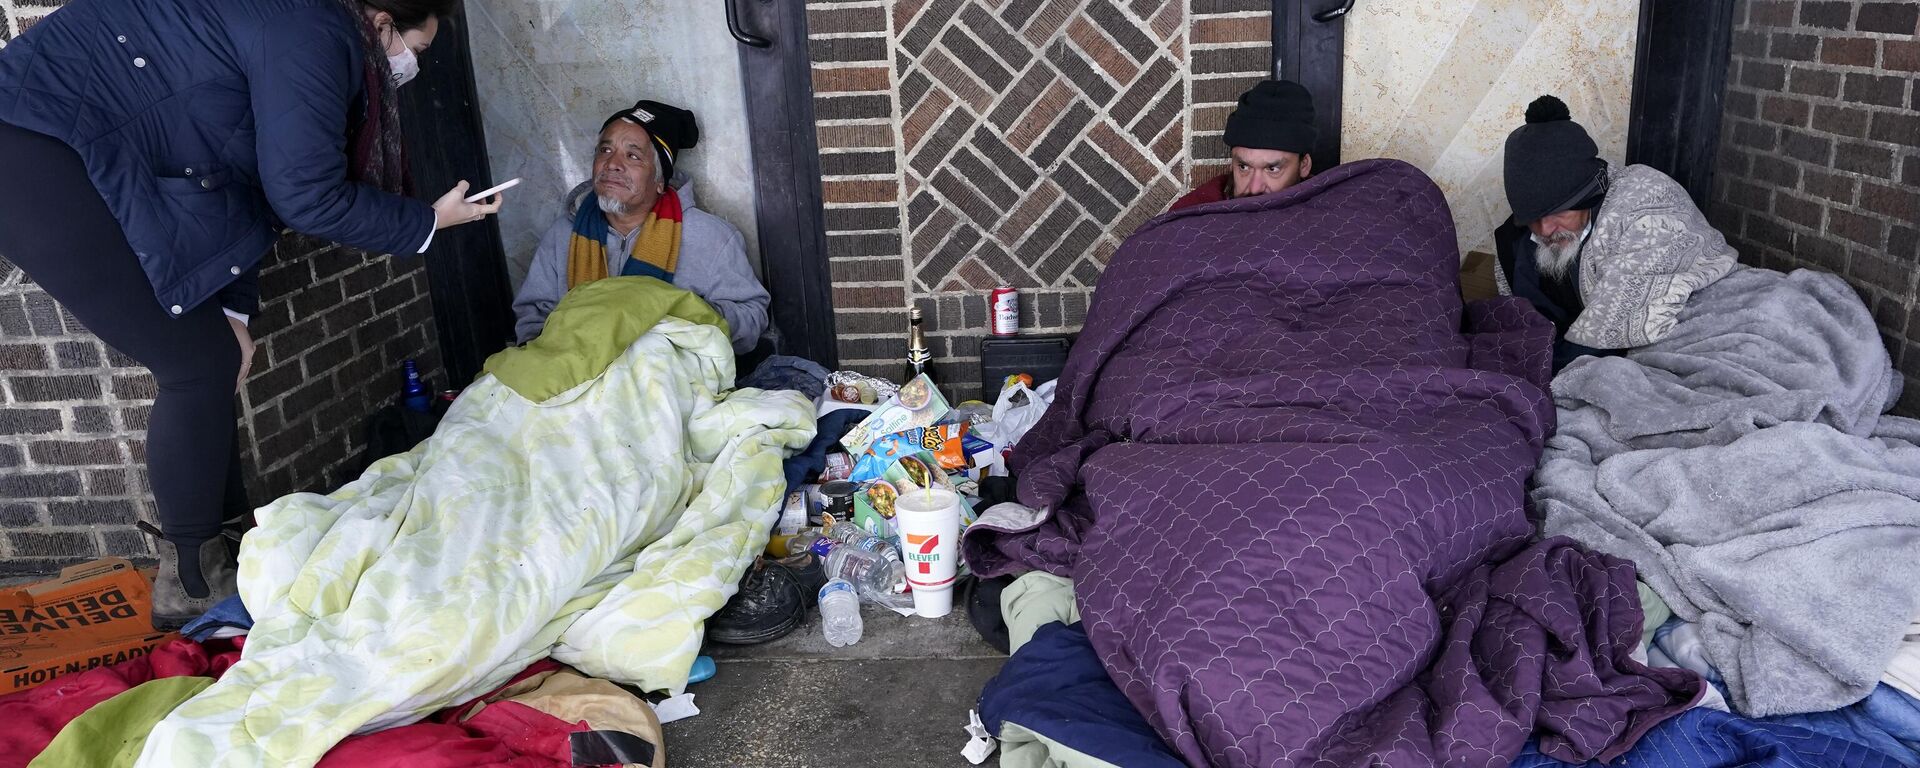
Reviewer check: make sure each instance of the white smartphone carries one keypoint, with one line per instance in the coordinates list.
(496, 190)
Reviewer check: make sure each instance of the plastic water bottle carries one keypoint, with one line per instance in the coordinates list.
(871, 575)
(415, 395)
(857, 537)
(840, 613)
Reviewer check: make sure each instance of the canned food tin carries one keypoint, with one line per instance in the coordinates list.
(839, 467)
(838, 496)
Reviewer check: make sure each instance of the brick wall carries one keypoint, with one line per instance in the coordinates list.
(1820, 153)
(967, 144)
(333, 326)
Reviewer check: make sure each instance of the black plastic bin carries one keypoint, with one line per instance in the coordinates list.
(1038, 355)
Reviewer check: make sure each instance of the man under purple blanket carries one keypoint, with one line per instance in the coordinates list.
(1289, 489)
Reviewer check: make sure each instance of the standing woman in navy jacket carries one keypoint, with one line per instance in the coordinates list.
(150, 153)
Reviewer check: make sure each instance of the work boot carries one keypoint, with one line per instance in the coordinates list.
(173, 605)
(768, 606)
(811, 573)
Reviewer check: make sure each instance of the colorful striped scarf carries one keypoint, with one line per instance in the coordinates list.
(656, 252)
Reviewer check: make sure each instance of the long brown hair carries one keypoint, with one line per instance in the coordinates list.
(411, 14)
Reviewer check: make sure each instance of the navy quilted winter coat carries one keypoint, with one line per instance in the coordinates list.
(206, 125)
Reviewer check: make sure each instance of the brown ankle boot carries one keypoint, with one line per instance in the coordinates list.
(173, 607)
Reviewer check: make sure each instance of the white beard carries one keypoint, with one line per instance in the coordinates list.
(612, 207)
(1556, 257)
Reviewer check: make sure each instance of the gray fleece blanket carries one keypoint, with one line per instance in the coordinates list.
(1745, 464)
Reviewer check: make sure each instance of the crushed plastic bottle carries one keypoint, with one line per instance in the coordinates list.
(858, 537)
(872, 575)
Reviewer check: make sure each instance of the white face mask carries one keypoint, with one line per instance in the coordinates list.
(405, 66)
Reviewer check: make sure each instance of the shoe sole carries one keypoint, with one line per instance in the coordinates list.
(171, 623)
(771, 634)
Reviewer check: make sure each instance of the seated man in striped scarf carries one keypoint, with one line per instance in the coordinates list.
(637, 217)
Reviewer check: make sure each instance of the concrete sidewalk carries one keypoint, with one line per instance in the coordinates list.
(799, 703)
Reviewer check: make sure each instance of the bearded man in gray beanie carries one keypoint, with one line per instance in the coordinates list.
(1609, 254)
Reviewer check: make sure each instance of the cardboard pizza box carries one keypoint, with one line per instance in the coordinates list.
(92, 615)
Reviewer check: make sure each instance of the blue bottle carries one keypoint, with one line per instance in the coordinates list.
(415, 395)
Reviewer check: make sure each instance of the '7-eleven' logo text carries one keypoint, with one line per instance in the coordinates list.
(920, 551)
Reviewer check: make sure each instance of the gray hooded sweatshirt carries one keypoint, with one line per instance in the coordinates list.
(713, 265)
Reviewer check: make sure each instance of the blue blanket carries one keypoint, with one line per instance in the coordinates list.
(1887, 720)
(228, 613)
(1709, 738)
(1055, 686)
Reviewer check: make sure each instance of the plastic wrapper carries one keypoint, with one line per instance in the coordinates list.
(946, 443)
(881, 456)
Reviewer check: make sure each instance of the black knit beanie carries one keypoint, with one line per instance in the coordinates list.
(1275, 114)
(1552, 164)
(673, 130)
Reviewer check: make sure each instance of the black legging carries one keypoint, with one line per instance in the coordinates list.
(54, 225)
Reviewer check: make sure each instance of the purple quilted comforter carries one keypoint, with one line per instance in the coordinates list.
(1289, 489)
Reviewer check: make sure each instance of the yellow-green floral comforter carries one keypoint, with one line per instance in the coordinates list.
(600, 524)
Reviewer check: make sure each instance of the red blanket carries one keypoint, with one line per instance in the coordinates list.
(502, 735)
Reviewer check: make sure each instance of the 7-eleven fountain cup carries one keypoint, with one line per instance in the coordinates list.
(929, 521)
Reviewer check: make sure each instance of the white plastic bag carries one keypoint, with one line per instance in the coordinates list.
(1014, 413)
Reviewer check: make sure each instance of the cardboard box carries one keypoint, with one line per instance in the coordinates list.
(1476, 276)
(918, 404)
(93, 615)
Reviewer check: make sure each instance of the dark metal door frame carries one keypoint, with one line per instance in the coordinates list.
(1309, 48)
(788, 205)
(467, 266)
(1679, 86)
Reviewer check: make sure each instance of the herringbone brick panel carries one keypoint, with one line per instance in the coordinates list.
(969, 144)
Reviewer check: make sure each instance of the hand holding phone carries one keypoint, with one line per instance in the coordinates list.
(456, 207)
(510, 184)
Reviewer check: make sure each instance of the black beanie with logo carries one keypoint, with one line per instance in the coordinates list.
(673, 130)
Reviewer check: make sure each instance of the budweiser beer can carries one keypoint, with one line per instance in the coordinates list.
(1004, 311)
